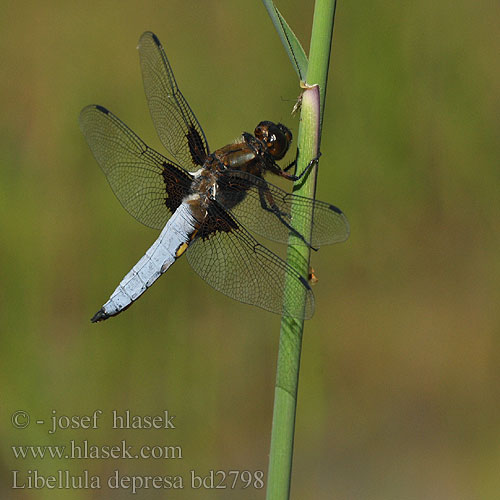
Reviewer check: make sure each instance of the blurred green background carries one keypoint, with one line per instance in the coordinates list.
(400, 384)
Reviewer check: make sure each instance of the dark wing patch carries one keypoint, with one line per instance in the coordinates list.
(267, 210)
(148, 185)
(196, 146)
(217, 220)
(230, 260)
(176, 186)
(175, 122)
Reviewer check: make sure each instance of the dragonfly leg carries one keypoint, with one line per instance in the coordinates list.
(295, 178)
(293, 163)
(268, 204)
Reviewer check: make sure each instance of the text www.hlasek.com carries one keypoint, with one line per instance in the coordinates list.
(85, 450)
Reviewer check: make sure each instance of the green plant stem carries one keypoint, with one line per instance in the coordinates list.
(285, 402)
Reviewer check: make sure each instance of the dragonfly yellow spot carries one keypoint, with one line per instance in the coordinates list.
(182, 248)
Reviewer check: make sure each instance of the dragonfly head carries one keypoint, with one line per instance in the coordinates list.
(276, 137)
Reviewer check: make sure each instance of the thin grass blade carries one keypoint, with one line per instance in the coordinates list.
(291, 43)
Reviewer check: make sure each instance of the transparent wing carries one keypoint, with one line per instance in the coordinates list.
(148, 185)
(175, 122)
(229, 259)
(267, 210)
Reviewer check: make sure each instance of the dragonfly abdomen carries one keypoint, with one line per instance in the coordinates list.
(171, 244)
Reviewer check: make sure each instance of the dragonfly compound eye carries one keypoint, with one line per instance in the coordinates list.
(278, 141)
(262, 131)
(277, 138)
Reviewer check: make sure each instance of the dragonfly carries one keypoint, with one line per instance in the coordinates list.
(207, 205)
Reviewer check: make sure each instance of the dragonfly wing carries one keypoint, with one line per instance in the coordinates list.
(267, 210)
(175, 122)
(148, 185)
(229, 259)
